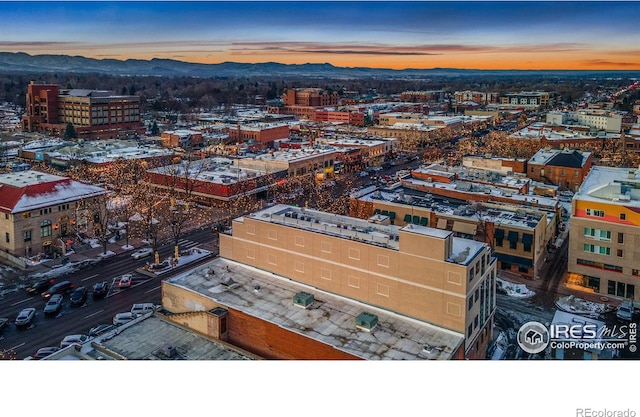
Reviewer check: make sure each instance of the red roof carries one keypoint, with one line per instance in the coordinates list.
(10, 195)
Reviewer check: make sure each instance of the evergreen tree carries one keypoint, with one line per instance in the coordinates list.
(154, 128)
(70, 132)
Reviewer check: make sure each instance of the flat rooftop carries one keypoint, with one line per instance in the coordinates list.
(614, 185)
(330, 319)
(146, 339)
(515, 217)
(365, 231)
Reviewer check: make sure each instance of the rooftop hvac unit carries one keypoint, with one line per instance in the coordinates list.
(303, 299)
(366, 321)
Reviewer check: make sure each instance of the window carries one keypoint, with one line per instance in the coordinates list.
(6, 236)
(513, 244)
(605, 235)
(45, 228)
(589, 231)
(623, 216)
(470, 330)
(619, 253)
(527, 247)
(475, 322)
(595, 213)
(470, 303)
(620, 289)
(26, 215)
(27, 235)
(620, 237)
(499, 243)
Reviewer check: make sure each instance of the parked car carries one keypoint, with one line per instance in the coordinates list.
(40, 286)
(625, 310)
(78, 296)
(25, 317)
(45, 351)
(122, 318)
(125, 281)
(142, 253)
(100, 329)
(61, 287)
(100, 289)
(143, 308)
(73, 338)
(54, 304)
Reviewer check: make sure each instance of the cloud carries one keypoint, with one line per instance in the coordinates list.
(609, 63)
(39, 44)
(385, 49)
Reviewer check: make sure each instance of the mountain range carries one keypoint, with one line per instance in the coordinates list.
(22, 62)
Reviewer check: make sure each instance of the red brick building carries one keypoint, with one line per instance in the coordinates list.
(565, 168)
(259, 135)
(99, 114)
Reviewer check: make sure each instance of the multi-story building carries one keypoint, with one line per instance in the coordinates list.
(183, 138)
(565, 168)
(604, 242)
(518, 234)
(313, 97)
(530, 100)
(605, 120)
(93, 113)
(631, 139)
(259, 135)
(40, 211)
(420, 272)
(479, 97)
(423, 96)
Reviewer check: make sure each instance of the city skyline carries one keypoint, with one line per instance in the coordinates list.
(397, 35)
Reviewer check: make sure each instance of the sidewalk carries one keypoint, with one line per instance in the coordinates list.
(565, 287)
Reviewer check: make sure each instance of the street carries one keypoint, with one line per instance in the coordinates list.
(18, 343)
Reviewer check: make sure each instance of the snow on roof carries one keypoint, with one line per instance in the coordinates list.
(613, 185)
(29, 190)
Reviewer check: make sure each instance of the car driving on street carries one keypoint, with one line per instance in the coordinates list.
(54, 305)
(25, 317)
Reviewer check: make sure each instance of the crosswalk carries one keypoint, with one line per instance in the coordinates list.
(187, 244)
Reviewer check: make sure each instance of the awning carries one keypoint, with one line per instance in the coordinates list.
(512, 236)
(499, 234)
(442, 224)
(527, 238)
(466, 228)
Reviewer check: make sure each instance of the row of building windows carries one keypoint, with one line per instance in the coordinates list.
(599, 265)
(604, 235)
(615, 288)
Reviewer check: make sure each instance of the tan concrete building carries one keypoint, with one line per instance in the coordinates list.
(604, 242)
(416, 271)
(38, 211)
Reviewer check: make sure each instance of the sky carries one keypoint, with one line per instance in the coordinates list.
(379, 34)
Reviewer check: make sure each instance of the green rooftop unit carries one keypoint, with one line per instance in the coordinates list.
(366, 321)
(303, 299)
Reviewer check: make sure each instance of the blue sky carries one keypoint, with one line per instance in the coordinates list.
(485, 35)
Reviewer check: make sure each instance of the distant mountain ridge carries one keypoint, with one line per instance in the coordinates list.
(22, 62)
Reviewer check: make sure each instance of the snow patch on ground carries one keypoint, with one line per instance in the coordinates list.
(587, 308)
(514, 290)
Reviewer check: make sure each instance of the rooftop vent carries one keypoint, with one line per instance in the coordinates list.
(303, 299)
(168, 350)
(366, 321)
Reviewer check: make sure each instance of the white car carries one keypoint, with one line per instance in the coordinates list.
(142, 253)
(122, 318)
(125, 281)
(25, 317)
(73, 338)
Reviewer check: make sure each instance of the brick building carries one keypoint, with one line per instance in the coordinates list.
(93, 113)
(565, 168)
